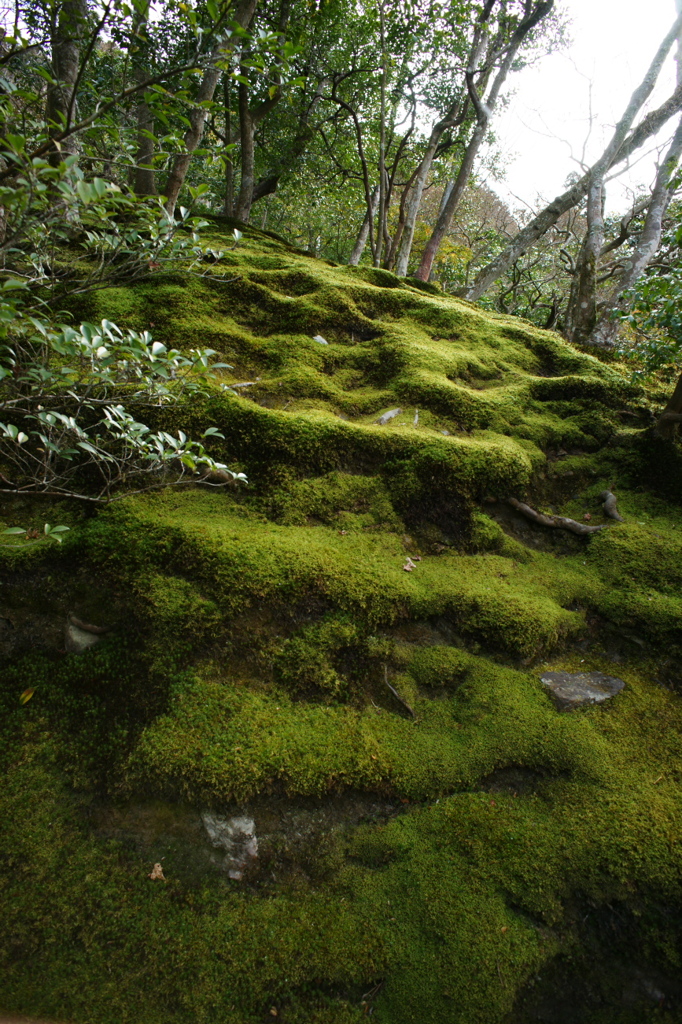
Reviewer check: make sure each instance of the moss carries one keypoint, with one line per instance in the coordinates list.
(270, 646)
(444, 886)
(348, 501)
(439, 666)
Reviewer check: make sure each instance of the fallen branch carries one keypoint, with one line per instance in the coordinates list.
(609, 506)
(557, 522)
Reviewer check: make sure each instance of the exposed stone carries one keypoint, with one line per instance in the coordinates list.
(388, 416)
(237, 837)
(320, 340)
(574, 689)
(78, 640)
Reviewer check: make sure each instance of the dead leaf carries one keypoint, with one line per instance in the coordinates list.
(505, 929)
(157, 872)
(273, 1011)
(26, 696)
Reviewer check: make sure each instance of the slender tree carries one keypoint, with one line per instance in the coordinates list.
(483, 105)
(238, 17)
(68, 30)
(622, 144)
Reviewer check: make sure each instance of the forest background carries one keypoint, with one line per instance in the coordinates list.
(361, 132)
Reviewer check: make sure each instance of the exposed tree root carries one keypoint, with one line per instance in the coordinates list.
(609, 506)
(88, 627)
(557, 522)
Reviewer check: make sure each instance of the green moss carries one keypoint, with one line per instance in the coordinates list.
(439, 666)
(274, 648)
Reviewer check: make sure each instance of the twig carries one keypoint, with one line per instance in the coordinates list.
(396, 694)
(107, 499)
(373, 991)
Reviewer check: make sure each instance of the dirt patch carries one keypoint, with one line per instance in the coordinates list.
(295, 837)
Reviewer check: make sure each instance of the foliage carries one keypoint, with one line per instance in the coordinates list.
(69, 421)
(653, 316)
(71, 397)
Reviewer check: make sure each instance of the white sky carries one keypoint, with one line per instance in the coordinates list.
(543, 132)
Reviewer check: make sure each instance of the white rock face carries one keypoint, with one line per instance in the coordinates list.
(237, 837)
(77, 640)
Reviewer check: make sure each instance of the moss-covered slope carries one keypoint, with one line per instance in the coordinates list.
(436, 842)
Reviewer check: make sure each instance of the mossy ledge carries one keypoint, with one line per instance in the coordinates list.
(437, 842)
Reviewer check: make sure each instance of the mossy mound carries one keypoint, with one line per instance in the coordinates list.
(348, 651)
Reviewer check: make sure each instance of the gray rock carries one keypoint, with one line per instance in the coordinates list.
(237, 837)
(320, 340)
(78, 640)
(387, 416)
(574, 689)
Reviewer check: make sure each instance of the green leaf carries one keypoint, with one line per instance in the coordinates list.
(85, 191)
(87, 447)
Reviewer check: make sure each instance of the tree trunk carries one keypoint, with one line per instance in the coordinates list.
(605, 331)
(484, 111)
(60, 110)
(447, 212)
(667, 422)
(363, 233)
(414, 201)
(581, 314)
(145, 181)
(228, 204)
(248, 156)
(618, 149)
(454, 116)
(197, 116)
(249, 119)
(381, 218)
